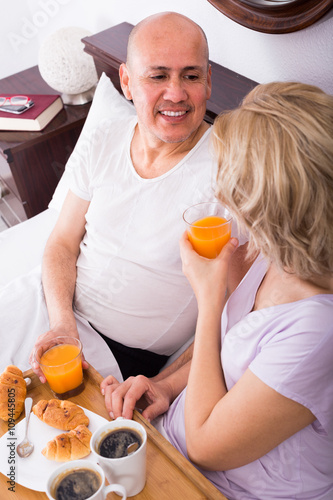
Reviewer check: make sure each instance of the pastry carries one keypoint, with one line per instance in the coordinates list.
(70, 445)
(13, 391)
(63, 415)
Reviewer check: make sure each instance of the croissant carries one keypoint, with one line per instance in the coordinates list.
(13, 391)
(63, 415)
(71, 445)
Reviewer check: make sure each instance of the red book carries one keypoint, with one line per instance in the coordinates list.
(36, 118)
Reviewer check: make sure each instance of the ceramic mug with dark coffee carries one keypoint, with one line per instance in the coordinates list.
(120, 447)
(81, 479)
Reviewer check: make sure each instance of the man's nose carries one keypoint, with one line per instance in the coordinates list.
(175, 90)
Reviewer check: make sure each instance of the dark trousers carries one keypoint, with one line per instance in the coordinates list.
(133, 361)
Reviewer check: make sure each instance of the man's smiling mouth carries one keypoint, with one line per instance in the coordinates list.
(173, 113)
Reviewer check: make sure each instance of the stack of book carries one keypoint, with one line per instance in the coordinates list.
(36, 118)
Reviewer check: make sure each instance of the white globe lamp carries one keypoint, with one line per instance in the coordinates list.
(65, 66)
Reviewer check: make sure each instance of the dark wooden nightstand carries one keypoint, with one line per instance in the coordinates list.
(36, 160)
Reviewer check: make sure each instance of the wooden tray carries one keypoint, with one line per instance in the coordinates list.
(169, 475)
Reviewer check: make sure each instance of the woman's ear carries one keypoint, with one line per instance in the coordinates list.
(124, 81)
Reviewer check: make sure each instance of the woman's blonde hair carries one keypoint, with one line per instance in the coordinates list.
(275, 173)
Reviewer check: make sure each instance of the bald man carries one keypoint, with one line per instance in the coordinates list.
(113, 256)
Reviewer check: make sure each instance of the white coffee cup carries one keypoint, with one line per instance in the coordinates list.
(63, 470)
(130, 470)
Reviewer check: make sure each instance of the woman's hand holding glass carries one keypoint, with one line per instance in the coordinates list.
(208, 277)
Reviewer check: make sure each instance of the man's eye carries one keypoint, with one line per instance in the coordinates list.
(157, 77)
(191, 77)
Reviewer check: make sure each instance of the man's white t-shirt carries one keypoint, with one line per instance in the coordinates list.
(130, 284)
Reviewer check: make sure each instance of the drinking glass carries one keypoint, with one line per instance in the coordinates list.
(60, 359)
(208, 227)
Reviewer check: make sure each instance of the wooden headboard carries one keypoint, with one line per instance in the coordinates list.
(108, 48)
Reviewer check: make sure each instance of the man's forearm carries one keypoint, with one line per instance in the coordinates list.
(184, 358)
(59, 277)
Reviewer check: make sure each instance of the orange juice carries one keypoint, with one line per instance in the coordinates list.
(209, 234)
(62, 367)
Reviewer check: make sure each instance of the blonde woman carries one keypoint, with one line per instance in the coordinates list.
(257, 414)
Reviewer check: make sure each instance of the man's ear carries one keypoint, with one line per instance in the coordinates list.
(124, 81)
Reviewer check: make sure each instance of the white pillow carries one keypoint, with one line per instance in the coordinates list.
(107, 103)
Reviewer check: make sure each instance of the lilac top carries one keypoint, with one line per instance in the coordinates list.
(290, 348)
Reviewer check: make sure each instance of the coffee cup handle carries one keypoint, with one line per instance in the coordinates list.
(116, 488)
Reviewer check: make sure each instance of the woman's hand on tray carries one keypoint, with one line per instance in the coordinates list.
(140, 392)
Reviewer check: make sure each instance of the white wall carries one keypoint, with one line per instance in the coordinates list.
(306, 55)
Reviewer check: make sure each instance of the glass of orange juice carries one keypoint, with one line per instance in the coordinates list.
(60, 359)
(208, 227)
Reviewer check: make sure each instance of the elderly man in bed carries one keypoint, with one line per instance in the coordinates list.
(112, 260)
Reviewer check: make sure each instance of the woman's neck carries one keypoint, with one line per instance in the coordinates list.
(280, 287)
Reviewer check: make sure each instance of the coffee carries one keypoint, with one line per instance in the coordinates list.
(115, 444)
(77, 484)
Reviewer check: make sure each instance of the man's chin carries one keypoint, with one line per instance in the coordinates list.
(174, 141)
(174, 138)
